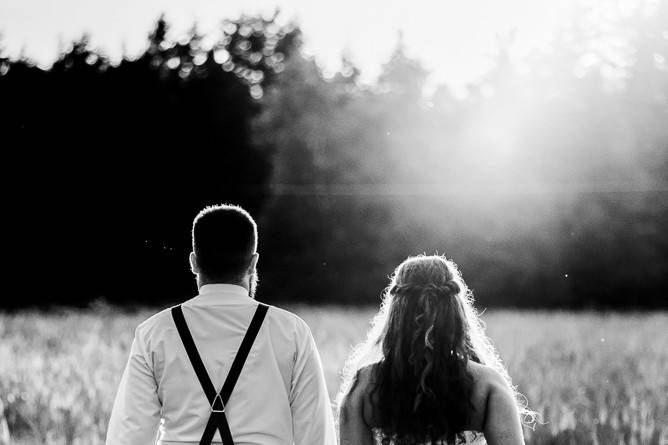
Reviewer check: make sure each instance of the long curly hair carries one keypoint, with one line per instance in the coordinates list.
(419, 345)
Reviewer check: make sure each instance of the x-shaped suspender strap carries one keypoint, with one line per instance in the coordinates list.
(218, 400)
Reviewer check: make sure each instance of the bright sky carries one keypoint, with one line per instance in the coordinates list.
(453, 39)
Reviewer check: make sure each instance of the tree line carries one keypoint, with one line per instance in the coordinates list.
(545, 182)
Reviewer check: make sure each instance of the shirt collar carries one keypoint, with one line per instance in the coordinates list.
(222, 293)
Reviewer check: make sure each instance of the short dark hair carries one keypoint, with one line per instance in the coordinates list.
(224, 240)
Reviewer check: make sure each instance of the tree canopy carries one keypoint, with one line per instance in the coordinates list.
(546, 183)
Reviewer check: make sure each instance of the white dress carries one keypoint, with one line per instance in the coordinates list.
(474, 438)
(470, 438)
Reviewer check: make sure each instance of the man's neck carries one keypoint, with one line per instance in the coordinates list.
(204, 282)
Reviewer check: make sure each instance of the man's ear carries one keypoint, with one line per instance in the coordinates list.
(252, 267)
(194, 267)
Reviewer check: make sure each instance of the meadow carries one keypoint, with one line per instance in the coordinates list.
(595, 378)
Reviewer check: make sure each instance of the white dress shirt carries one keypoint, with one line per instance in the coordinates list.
(279, 399)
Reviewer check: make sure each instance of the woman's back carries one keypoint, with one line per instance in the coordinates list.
(494, 412)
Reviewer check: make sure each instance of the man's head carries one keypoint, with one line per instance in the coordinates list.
(225, 247)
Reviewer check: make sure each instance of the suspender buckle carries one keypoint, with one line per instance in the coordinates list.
(214, 409)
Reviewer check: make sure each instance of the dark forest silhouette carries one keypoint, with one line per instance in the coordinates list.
(110, 163)
(106, 165)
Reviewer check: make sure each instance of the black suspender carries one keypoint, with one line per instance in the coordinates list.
(218, 400)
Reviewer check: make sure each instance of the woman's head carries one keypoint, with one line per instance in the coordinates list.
(419, 344)
(427, 297)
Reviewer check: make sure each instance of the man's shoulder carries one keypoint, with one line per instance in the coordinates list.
(285, 317)
(156, 320)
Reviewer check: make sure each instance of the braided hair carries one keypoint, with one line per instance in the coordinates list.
(420, 342)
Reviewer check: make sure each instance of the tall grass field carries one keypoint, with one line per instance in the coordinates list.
(594, 378)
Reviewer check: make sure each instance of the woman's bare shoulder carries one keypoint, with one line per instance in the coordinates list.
(365, 374)
(364, 386)
(496, 412)
(486, 381)
(360, 386)
(484, 375)
(354, 416)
